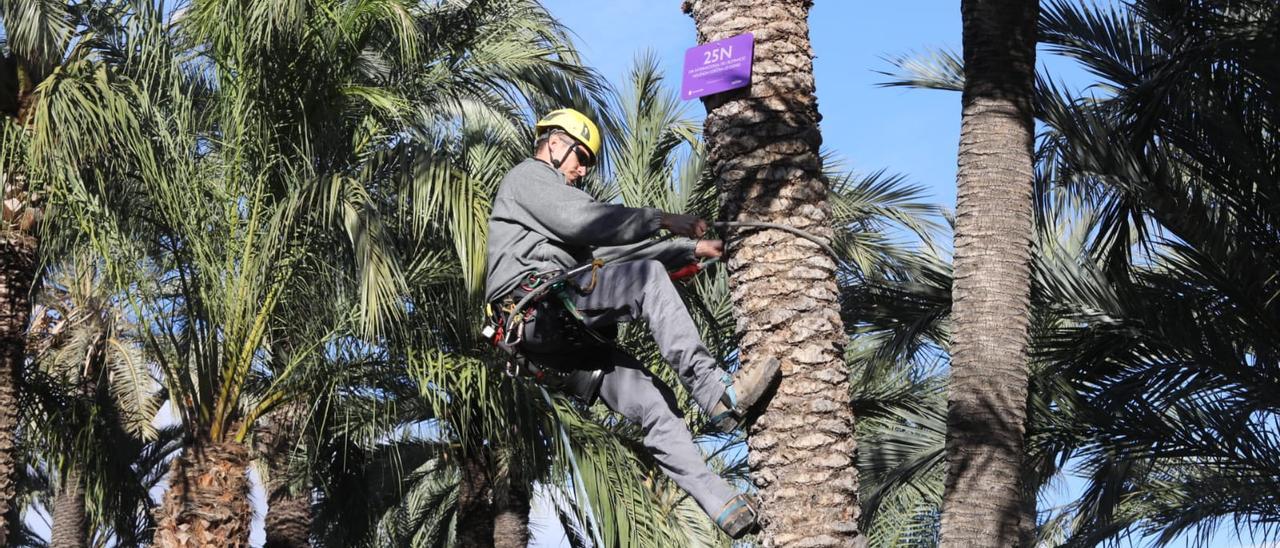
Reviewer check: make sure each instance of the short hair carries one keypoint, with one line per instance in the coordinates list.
(542, 140)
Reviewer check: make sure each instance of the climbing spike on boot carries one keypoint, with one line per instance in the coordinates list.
(749, 385)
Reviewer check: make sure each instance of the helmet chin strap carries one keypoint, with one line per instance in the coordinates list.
(556, 163)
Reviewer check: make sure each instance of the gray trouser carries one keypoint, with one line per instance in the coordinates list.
(642, 289)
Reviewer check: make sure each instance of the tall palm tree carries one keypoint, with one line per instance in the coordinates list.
(901, 360)
(1140, 339)
(98, 392)
(987, 392)
(34, 42)
(234, 222)
(763, 151)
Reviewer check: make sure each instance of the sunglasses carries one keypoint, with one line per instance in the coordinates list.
(584, 157)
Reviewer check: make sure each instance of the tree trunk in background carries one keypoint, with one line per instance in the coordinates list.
(288, 519)
(17, 273)
(207, 503)
(1027, 521)
(762, 147)
(511, 524)
(69, 518)
(987, 399)
(476, 510)
(69, 513)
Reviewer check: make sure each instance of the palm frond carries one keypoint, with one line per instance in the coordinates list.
(38, 33)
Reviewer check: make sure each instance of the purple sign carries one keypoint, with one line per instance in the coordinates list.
(717, 66)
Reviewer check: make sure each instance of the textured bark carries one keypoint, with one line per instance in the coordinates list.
(1027, 521)
(986, 410)
(763, 150)
(288, 522)
(69, 513)
(207, 503)
(17, 272)
(475, 504)
(288, 519)
(511, 524)
(24, 101)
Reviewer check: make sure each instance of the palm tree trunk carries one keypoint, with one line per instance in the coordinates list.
(207, 503)
(1027, 523)
(69, 513)
(69, 506)
(288, 520)
(763, 149)
(986, 411)
(511, 520)
(476, 510)
(17, 273)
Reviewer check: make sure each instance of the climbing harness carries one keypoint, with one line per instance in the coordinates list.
(560, 330)
(508, 337)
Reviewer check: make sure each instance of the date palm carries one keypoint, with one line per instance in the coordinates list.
(1175, 158)
(763, 150)
(66, 117)
(987, 392)
(1151, 339)
(96, 397)
(901, 360)
(277, 185)
(35, 41)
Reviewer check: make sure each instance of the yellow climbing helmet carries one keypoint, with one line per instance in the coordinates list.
(576, 124)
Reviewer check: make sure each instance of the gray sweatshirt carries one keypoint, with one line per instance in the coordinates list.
(539, 223)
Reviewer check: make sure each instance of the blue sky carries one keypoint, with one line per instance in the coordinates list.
(906, 131)
(911, 132)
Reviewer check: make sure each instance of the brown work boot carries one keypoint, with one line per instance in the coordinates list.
(743, 395)
(739, 516)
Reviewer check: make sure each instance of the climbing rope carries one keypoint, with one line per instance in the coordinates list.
(595, 273)
(595, 264)
(777, 226)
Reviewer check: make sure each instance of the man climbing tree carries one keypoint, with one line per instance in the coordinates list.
(763, 150)
(541, 226)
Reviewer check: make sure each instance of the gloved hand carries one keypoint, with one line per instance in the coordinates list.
(684, 225)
